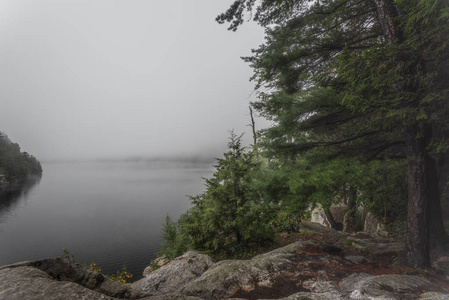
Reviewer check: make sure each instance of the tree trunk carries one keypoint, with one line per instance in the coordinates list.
(438, 233)
(350, 215)
(331, 219)
(442, 172)
(253, 127)
(418, 135)
(417, 245)
(386, 12)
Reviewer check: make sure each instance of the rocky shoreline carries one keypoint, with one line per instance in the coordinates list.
(319, 264)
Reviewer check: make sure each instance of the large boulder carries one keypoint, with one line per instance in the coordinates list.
(173, 275)
(337, 212)
(240, 278)
(26, 282)
(318, 216)
(56, 278)
(315, 228)
(373, 226)
(442, 265)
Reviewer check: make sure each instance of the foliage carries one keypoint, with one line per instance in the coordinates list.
(231, 218)
(92, 267)
(348, 242)
(368, 81)
(176, 242)
(14, 164)
(397, 228)
(122, 276)
(378, 186)
(230, 215)
(66, 253)
(285, 222)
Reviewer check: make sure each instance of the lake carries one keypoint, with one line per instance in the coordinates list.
(110, 213)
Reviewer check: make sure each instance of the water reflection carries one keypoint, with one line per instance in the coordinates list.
(107, 212)
(12, 195)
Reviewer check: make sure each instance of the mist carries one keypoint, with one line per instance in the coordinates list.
(105, 79)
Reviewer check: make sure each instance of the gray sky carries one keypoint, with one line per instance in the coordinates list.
(109, 78)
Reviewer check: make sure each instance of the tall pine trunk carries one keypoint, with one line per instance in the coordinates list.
(423, 195)
(438, 234)
(417, 245)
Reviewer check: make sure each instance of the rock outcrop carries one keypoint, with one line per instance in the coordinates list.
(360, 286)
(316, 266)
(306, 270)
(371, 225)
(337, 213)
(56, 278)
(237, 278)
(173, 275)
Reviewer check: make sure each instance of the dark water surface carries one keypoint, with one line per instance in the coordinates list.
(107, 212)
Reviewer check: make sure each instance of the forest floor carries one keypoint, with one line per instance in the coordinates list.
(372, 255)
(381, 256)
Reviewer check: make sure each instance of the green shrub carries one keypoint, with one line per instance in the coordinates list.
(66, 253)
(175, 242)
(285, 222)
(348, 242)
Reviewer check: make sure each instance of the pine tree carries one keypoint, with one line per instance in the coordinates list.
(360, 76)
(230, 216)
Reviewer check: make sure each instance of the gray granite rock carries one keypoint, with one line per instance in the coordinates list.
(173, 275)
(226, 278)
(434, 296)
(364, 286)
(23, 282)
(304, 270)
(377, 247)
(50, 278)
(159, 262)
(442, 265)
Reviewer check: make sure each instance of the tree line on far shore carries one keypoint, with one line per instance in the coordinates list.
(16, 165)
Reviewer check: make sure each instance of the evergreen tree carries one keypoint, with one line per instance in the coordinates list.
(360, 76)
(230, 216)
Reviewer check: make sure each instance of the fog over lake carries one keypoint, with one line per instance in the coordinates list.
(84, 79)
(107, 212)
(97, 90)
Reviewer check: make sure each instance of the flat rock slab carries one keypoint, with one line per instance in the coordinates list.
(307, 270)
(388, 287)
(306, 226)
(377, 247)
(442, 265)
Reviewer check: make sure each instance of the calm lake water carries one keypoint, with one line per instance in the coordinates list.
(107, 212)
